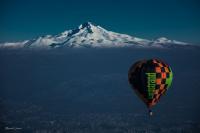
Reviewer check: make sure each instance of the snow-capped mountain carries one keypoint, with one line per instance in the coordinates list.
(90, 35)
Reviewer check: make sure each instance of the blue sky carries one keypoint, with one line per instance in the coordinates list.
(175, 19)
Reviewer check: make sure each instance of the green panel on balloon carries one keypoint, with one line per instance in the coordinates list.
(169, 80)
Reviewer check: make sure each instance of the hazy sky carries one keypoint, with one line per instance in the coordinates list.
(175, 19)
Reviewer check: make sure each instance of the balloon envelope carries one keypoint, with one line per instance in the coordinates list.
(150, 79)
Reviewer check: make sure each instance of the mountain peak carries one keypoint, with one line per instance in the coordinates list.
(86, 25)
(163, 40)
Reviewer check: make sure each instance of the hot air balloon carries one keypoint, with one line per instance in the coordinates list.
(150, 79)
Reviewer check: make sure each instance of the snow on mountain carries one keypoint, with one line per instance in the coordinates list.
(13, 44)
(164, 40)
(90, 35)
